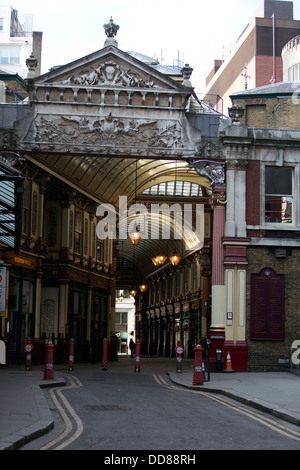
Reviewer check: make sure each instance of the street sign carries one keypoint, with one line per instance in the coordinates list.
(179, 350)
(28, 348)
(2, 277)
(2, 301)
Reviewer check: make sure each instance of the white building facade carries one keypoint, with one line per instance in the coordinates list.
(291, 60)
(17, 42)
(125, 321)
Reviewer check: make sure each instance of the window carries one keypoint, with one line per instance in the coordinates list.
(293, 73)
(26, 209)
(183, 188)
(10, 54)
(1, 24)
(52, 226)
(78, 231)
(121, 318)
(279, 195)
(86, 236)
(100, 250)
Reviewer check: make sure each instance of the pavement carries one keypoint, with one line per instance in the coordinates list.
(25, 415)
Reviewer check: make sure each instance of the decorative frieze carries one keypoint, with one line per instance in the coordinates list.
(109, 134)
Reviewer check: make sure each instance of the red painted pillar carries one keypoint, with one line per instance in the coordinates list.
(49, 372)
(104, 354)
(71, 354)
(198, 366)
(137, 356)
(179, 352)
(218, 301)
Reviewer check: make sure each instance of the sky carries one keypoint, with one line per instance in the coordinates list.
(195, 31)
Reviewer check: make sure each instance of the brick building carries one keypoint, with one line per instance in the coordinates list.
(109, 126)
(264, 145)
(256, 58)
(271, 106)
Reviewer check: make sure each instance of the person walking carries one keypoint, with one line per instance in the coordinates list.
(132, 347)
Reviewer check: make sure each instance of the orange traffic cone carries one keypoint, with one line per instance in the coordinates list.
(228, 364)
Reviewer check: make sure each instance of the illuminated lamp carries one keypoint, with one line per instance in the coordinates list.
(133, 292)
(155, 261)
(143, 287)
(135, 237)
(175, 259)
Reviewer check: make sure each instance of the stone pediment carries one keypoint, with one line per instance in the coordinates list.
(109, 67)
(107, 103)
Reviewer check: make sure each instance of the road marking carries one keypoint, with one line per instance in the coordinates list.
(74, 383)
(269, 422)
(160, 380)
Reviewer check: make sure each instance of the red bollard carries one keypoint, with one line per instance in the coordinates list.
(71, 354)
(137, 364)
(104, 354)
(198, 366)
(48, 372)
(28, 348)
(179, 352)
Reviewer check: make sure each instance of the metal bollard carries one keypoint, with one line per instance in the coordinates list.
(49, 372)
(28, 349)
(104, 354)
(179, 352)
(198, 366)
(71, 354)
(137, 364)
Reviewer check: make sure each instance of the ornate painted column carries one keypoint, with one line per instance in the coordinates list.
(40, 215)
(236, 143)
(218, 203)
(214, 171)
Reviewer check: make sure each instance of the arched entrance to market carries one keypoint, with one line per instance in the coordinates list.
(105, 127)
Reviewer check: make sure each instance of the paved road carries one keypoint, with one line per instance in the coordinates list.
(121, 410)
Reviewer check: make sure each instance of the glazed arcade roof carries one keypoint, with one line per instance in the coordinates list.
(111, 125)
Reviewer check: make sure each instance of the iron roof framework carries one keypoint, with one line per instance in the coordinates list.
(11, 200)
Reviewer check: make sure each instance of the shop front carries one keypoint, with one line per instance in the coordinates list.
(19, 324)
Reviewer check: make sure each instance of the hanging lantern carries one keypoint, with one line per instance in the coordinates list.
(155, 261)
(143, 287)
(175, 259)
(161, 259)
(133, 292)
(135, 237)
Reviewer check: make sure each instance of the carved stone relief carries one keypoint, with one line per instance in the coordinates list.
(209, 148)
(213, 170)
(110, 134)
(109, 74)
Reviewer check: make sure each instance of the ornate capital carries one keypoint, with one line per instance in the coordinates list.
(218, 199)
(236, 165)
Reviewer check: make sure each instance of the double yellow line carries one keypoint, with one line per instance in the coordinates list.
(269, 422)
(74, 383)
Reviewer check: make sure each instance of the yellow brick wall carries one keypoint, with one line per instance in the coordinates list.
(278, 113)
